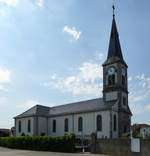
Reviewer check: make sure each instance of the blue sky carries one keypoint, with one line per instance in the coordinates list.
(51, 53)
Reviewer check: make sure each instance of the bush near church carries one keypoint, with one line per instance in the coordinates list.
(56, 144)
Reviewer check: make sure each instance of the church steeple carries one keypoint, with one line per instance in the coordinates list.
(115, 83)
(114, 50)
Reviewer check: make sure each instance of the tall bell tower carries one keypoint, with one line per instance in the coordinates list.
(115, 81)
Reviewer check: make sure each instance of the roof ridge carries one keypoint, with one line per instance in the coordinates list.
(29, 109)
(76, 102)
(42, 106)
(76, 106)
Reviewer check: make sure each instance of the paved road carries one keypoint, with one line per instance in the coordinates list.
(12, 152)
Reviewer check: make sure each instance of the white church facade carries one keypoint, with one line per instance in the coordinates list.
(109, 116)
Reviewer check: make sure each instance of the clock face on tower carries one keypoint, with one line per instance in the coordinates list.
(111, 70)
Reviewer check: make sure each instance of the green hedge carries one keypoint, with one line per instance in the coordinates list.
(57, 144)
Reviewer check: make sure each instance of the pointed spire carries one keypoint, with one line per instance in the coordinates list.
(114, 43)
(114, 50)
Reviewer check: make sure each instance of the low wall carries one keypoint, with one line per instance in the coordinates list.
(119, 147)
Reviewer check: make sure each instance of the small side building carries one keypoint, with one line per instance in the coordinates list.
(33, 122)
(145, 131)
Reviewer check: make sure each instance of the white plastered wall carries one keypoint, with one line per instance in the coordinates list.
(24, 126)
(42, 125)
(89, 124)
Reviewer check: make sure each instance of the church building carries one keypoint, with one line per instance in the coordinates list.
(109, 116)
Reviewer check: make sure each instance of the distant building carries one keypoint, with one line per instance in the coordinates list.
(141, 130)
(145, 131)
(4, 132)
(109, 116)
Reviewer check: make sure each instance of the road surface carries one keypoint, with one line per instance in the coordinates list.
(12, 152)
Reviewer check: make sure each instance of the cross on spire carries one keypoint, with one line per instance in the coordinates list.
(113, 10)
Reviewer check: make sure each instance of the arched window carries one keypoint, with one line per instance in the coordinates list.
(123, 80)
(124, 101)
(54, 126)
(111, 80)
(66, 126)
(115, 122)
(80, 124)
(125, 129)
(19, 127)
(123, 76)
(99, 123)
(29, 125)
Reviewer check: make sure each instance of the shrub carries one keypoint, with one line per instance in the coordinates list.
(126, 135)
(41, 143)
(4, 134)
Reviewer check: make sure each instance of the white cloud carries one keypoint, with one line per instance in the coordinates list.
(137, 98)
(140, 108)
(9, 2)
(5, 75)
(3, 88)
(72, 32)
(87, 81)
(99, 56)
(40, 3)
(5, 78)
(91, 71)
(2, 13)
(14, 3)
(130, 78)
(3, 101)
(139, 88)
(28, 104)
(147, 107)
